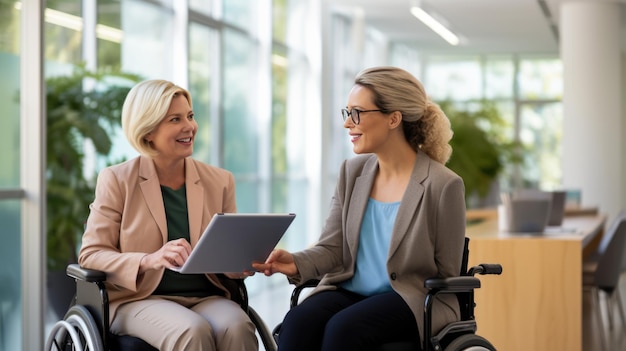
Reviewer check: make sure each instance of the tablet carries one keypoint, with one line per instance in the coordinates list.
(232, 241)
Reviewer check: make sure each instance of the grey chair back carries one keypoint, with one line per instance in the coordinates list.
(612, 255)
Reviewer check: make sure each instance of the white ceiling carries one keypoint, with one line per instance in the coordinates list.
(507, 26)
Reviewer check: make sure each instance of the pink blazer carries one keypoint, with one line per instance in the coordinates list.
(127, 220)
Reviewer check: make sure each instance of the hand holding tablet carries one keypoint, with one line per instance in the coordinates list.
(232, 241)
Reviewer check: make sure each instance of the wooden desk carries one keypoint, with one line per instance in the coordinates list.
(536, 304)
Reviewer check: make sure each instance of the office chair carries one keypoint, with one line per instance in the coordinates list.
(86, 323)
(456, 336)
(601, 273)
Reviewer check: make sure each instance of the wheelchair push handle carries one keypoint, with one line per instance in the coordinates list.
(486, 268)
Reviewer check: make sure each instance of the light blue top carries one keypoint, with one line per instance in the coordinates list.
(370, 275)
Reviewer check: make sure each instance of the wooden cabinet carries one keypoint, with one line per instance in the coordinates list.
(536, 304)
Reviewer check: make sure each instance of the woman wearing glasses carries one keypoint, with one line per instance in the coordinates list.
(397, 218)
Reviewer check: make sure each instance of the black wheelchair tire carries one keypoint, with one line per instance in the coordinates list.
(83, 313)
(266, 337)
(470, 342)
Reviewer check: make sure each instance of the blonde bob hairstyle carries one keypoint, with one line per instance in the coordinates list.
(425, 125)
(144, 108)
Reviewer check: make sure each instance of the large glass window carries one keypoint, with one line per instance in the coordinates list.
(9, 96)
(454, 78)
(204, 6)
(109, 34)
(280, 13)
(540, 78)
(10, 289)
(499, 79)
(527, 92)
(293, 146)
(407, 57)
(63, 31)
(148, 39)
(344, 72)
(292, 115)
(241, 124)
(240, 13)
(203, 46)
(541, 134)
(540, 128)
(10, 209)
(280, 166)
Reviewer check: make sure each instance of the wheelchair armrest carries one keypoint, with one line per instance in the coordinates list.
(452, 284)
(463, 283)
(486, 268)
(311, 283)
(92, 294)
(75, 271)
(295, 295)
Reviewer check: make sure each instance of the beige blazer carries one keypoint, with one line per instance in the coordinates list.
(427, 239)
(127, 220)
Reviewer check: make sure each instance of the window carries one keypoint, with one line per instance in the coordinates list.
(540, 79)
(10, 195)
(499, 73)
(527, 92)
(454, 78)
(541, 121)
(203, 53)
(109, 34)
(541, 133)
(148, 39)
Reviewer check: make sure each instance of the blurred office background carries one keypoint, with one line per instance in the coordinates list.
(268, 79)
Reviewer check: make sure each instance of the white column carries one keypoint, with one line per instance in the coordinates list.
(32, 172)
(592, 94)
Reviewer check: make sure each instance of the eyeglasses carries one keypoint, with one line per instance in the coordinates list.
(355, 114)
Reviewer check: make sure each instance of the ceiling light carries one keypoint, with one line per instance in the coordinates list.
(435, 25)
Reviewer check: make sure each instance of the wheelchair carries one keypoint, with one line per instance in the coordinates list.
(86, 323)
(456, 336)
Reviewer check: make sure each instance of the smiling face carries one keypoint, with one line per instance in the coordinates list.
(173, 138)
(373, 129)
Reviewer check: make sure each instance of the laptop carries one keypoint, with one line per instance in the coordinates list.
(232, 241)
(556, 211)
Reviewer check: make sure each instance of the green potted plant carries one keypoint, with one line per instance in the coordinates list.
(74, 115)
(479, 153)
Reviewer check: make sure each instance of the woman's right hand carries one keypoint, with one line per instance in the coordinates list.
(173, 254)
(278, 261)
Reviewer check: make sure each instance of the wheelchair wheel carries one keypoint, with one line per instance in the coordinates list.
(266, 337)
(470, 342)
(77, 331)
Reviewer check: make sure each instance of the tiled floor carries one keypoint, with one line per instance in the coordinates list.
(616, 340)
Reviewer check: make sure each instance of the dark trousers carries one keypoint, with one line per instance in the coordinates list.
(342, 320)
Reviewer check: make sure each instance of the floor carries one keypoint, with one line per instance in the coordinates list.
(592, 334)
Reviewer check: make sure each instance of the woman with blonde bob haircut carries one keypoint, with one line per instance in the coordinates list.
(396, 219)
(147, 214)
(139, 118)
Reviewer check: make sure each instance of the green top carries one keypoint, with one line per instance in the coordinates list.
(174, 283)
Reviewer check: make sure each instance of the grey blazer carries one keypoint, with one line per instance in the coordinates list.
(427, 239)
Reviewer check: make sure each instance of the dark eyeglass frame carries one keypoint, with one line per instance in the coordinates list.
(345, 113)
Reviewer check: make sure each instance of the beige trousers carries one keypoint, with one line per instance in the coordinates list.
(176, 323)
